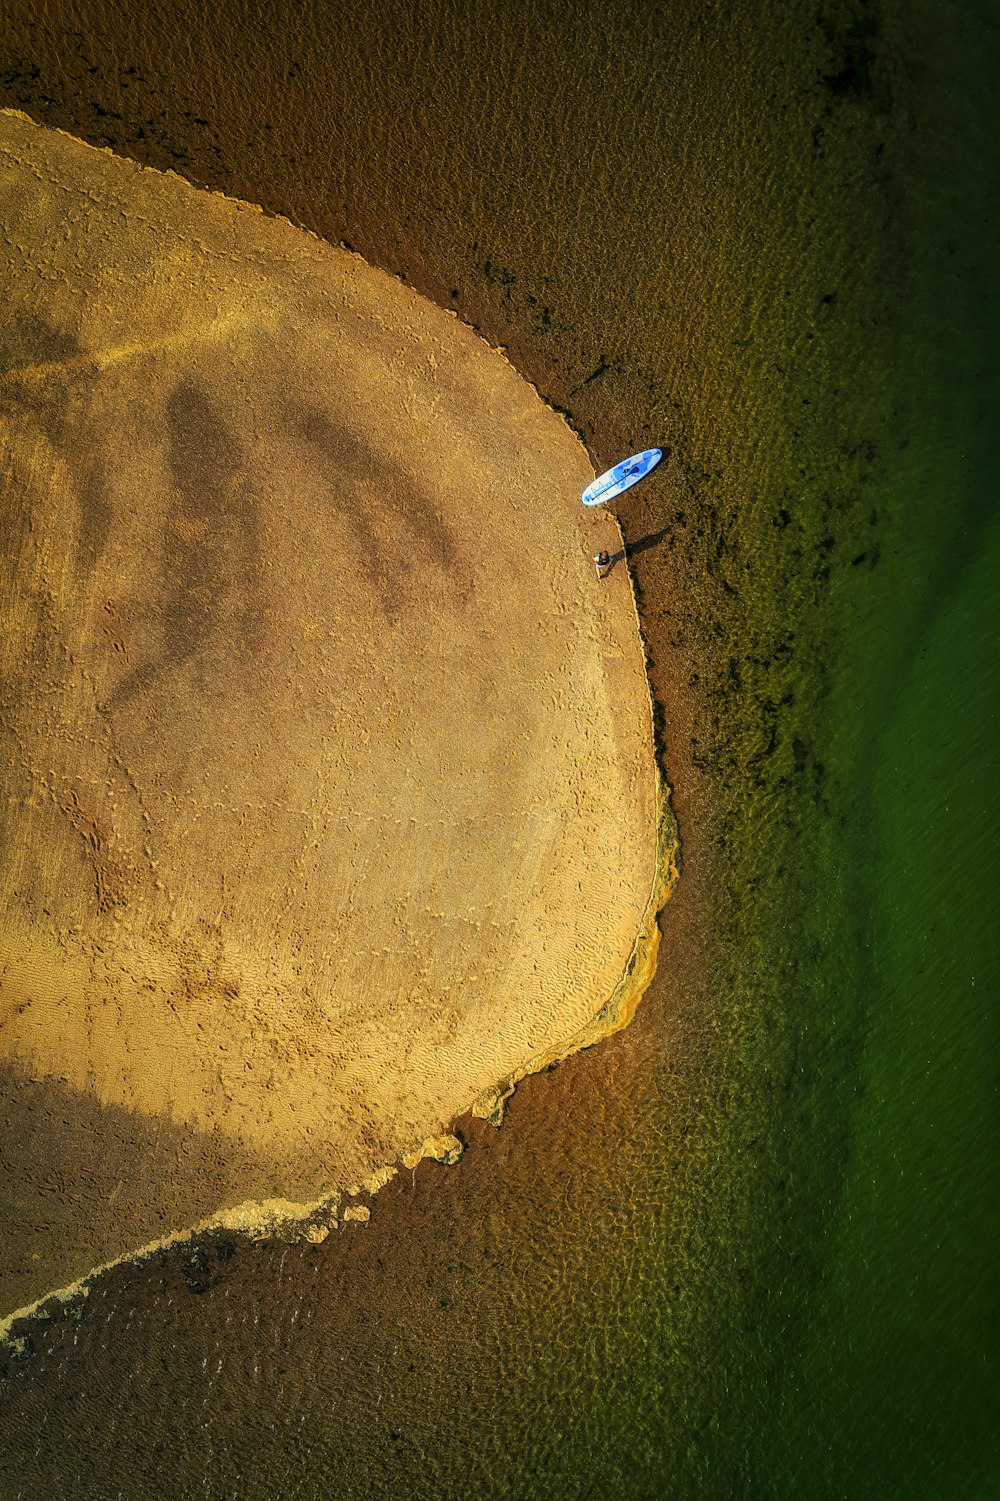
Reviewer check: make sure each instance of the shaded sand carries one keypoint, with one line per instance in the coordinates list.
(329, 795)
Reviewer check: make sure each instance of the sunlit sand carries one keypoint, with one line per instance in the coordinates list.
(329, 792)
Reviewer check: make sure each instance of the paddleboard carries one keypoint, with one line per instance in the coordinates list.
(622, 477)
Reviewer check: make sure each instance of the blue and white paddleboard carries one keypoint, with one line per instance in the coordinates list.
(622, 477)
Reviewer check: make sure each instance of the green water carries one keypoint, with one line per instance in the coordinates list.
(910, 1310)
(748, 1247)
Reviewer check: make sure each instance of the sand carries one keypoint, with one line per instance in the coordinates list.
(329, 800)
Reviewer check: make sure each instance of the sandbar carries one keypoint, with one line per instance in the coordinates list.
(329, 794)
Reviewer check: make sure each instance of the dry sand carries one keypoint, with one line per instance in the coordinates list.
(329, 795)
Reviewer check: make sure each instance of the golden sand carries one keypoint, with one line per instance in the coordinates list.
(329, 801)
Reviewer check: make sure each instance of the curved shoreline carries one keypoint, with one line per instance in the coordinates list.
(570, 713)
(283, 1219)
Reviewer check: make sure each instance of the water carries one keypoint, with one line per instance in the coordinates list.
(910, 1308)
(744, 1249)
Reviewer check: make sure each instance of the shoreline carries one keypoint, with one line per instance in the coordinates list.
(290, 1222)
(592, 681)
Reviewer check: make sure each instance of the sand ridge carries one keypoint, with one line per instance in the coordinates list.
(330, 798)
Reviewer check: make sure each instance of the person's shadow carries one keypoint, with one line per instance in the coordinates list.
(633, 549)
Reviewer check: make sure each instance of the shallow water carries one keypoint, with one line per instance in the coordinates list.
(744, 1248)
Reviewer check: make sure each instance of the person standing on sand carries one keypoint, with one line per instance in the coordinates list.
(602, 563)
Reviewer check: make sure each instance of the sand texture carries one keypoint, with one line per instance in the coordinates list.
(328, 789)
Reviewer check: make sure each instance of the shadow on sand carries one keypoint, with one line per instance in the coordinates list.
(633, 549)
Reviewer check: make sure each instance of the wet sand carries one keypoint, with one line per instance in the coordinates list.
(331, 804)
